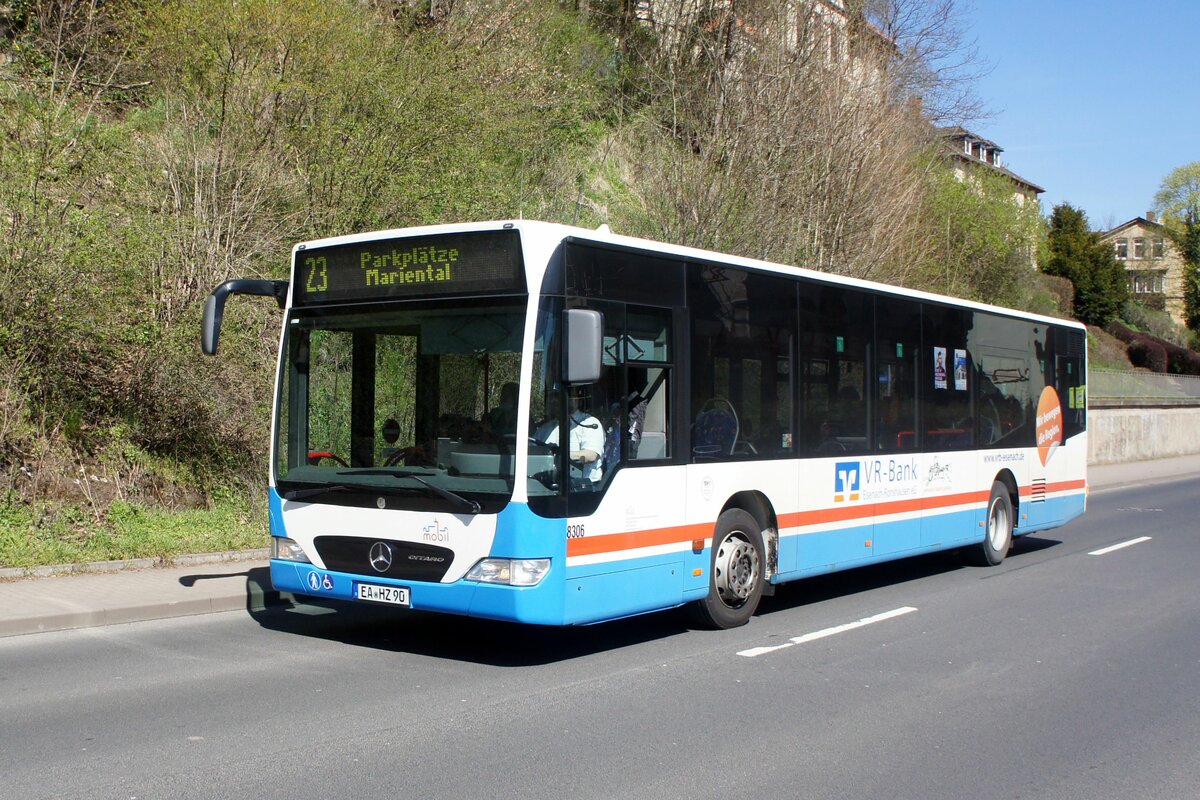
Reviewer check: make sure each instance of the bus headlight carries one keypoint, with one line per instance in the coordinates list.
(286, 549)
(510, 571)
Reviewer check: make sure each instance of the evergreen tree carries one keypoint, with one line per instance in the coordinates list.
(1189, 245)
(1076, 253)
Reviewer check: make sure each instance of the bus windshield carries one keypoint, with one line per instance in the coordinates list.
(415, 403)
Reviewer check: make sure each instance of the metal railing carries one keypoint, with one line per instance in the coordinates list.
(1110, 387)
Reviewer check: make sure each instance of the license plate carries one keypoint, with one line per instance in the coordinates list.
(395, 595)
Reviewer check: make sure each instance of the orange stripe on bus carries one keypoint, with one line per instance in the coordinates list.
(634, 540)
(1060, 486)
(614, 542)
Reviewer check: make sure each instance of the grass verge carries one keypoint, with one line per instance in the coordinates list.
(48, 533)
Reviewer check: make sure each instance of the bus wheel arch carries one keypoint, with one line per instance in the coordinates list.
(998, 525)
(1014, 495)
(758, 506)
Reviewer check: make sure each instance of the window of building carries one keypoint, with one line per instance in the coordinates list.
(1139, 248)
(1160, 247)
(1146, 282)
(1122, 249)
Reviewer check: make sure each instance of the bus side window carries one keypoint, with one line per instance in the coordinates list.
(1003, 392)
(648, 414)
(743, 343)
(834, 325)
(946, 411)
(1069, 379)
(897, 343)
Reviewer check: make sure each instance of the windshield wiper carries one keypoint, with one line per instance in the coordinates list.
(316, 491)
(462, 503)
(466, 504)
(301, 494)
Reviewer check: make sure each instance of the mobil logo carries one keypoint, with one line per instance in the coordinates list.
(847, 481)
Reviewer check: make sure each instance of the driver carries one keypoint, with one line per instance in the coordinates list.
(586, 438)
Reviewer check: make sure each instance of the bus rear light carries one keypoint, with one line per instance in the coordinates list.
(510, 571)
(285, 549)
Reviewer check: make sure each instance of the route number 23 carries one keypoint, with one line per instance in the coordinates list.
(318, 274)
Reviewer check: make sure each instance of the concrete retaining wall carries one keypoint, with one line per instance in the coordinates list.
(1117, 435)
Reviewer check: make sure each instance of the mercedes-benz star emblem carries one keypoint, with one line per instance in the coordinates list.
(381, 557)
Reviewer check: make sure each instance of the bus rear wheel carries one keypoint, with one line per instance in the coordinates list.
(737, 572)
(998, 529)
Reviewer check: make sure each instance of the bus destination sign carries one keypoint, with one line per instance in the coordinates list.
(482, 262)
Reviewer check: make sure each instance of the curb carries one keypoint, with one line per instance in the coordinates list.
(74, 620)
(113, 593)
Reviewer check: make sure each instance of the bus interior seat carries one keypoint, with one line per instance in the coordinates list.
(715, 431)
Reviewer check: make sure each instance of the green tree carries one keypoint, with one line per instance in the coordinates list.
(1076, 253)
(149, 151)
(1178, 203)
(1189, 245)
(1178, 198)
(983, 241)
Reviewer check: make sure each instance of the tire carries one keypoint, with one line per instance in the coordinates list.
(998, 529)
(737, 573)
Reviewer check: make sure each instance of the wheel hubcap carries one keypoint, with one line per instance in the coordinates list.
(998, 524)
(736, 569)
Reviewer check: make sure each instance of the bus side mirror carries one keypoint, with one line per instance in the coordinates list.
(214, 306)
(584, 340)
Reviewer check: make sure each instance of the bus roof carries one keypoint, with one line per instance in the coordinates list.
(560, 232)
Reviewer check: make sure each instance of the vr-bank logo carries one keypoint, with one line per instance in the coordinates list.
(846, 479)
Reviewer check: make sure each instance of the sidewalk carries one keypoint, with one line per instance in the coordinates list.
(193, 585)
(110, 594)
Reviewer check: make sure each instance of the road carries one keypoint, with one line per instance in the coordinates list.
(1059, 674)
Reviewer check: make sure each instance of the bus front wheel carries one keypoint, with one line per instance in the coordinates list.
(737, 572)
(998, 529)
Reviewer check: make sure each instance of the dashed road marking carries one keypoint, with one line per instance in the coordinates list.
(1106, 550)
(812, 637)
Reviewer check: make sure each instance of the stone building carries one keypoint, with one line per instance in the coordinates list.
(1153, 265)
(969, 151)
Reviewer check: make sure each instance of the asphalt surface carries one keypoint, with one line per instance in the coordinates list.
(1068, 672)
(121, 592)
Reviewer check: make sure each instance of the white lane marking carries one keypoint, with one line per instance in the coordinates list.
(812, 637)
(1105, 550)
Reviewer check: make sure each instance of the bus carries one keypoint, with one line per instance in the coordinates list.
(730, 424)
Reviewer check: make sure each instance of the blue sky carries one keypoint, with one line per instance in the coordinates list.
(1093, 101)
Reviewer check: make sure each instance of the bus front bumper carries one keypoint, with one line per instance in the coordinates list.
(535, 605)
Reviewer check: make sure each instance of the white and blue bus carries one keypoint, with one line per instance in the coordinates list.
(731, 424)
